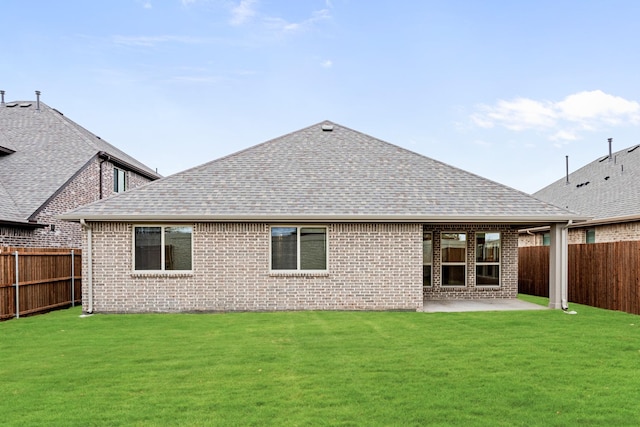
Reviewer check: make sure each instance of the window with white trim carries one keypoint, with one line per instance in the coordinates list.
(488, 259)
(162, 248)
(295, 248)
(119, 180)
(590, 235)
(453, 257)
(427, 257)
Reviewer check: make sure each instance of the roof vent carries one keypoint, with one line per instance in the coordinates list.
(606, 178)
(327, 128)
(12, 104)
(38, 100)
(25, 105)
(2, 97)
(632, 149)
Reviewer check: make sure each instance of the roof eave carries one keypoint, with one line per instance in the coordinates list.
(126, 165)
(21, 224)
(516, 220)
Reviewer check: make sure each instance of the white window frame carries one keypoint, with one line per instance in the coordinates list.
(430, 261)
(499, 263)
(116, 180)
(464, 264)
(162, 248)
(586, 235)
(298, 270)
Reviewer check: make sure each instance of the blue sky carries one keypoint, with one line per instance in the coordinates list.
(504, 89)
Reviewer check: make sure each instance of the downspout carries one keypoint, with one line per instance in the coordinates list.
(89, 266)
(564, 297)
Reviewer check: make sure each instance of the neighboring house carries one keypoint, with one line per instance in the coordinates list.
(607, 190)
(325, 218)
(50, 165)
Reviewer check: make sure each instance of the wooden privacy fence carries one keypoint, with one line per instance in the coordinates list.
(605, 275)
(47, 278)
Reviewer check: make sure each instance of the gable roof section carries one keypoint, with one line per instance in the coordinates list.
(8, 212)
(320, 173)
(601, 189)
(5, 145)
(47, 149)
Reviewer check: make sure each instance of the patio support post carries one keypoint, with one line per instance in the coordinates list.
(73, 280)
(558, 265)
(16, 255)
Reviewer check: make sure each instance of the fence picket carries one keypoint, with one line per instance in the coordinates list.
(46, 278)
(604, 275)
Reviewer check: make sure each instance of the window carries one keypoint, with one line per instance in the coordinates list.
(159, 248)
(487, 259)
(119, 180)
(546, 239)
(427, 257)
(590, 235)
(453, 252)
(299, 248)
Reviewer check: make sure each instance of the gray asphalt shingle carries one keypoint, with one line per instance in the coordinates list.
(316, 173)
(601, 189)
(49, 150)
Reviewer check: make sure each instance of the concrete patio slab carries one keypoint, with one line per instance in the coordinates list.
(479, 305)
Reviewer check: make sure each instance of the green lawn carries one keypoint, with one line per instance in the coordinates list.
(322, 368)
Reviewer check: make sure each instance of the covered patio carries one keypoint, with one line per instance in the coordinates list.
(451, 306)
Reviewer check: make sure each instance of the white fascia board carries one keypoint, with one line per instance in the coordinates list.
(528, 220)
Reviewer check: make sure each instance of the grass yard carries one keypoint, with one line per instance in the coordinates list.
(322, 368)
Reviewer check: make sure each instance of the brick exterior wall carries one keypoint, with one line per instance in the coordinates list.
(508, 264)
(84, 188)
(626, 231)
(371, 267)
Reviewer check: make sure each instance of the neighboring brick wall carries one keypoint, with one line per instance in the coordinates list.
(615, 232)
(83, 189)
(16, 237)
(627, 231)
(371, 267)
(525, 240)
(508, 264)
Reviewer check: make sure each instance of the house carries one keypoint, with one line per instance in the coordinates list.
(49, 165)
(607, 190)
(324, 218)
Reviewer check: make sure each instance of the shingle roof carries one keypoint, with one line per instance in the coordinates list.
(602, 189)
(49, 150)
(316, 173)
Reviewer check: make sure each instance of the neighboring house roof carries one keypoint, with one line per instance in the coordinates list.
(40, 151)
(324, 172)
(608, 187)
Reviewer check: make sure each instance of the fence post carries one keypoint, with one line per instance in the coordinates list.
(73, 283)
(17, 286)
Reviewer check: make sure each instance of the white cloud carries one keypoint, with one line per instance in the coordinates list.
(326, 64)
(564, 135)
(243, 12)
(599, 106)
(519, 114)
(564, 120)
(282, 25)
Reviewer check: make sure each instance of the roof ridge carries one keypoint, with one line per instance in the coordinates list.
(250, 148)
(445, 164)
(96, 141)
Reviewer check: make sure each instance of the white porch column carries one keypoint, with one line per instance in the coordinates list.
(558, 265)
